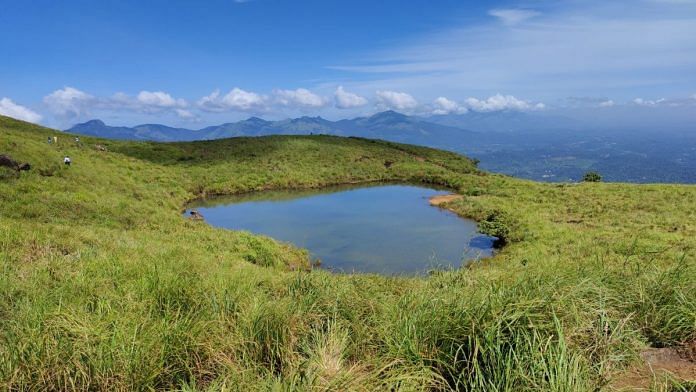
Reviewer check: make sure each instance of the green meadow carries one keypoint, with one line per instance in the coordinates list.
(104, 286)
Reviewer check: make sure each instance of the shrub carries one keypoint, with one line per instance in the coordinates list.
(592, 176)
(497, 224)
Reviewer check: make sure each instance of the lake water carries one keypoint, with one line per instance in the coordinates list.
(386, 229)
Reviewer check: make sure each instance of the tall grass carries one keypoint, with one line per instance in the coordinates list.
(103, 286)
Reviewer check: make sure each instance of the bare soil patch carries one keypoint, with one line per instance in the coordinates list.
(442, 199)
(659, 363)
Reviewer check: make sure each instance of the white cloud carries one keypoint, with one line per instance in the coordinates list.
(442, 105)
(69, 102)
(185, 114)
(501, 102)
(662, 102)
(347, 100)
(235, 100)
(301, 98)
(11, 109)
(160, 99)
(149, 102)
(513, 16)
(575, 48)
(649, 102)
(396, 100)
(607, 104)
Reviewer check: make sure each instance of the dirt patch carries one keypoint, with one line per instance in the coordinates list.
(658, 363)
(442, 199)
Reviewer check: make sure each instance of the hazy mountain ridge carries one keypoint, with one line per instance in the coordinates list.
(385, 125)
(537, 146)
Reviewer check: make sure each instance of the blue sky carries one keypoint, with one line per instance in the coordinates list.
(195, 63)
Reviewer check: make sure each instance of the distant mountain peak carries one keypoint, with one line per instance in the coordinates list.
(95, 122)
(390, 125)
(255, 120)
(308, 118)
(389, 114)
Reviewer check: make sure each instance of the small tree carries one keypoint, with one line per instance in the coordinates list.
(592, 176)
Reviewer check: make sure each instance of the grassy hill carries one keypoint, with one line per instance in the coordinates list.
(103, 285)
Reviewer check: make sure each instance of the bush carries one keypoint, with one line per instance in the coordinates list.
(497, 224)
(592, 176)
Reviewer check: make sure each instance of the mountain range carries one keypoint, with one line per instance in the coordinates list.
(388, 125)
(537, 146)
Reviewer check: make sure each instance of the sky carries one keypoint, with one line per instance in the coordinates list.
(197, 63)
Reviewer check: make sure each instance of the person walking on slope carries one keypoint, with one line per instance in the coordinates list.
(67, 160)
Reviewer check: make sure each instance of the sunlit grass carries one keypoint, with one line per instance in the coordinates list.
(103, 286)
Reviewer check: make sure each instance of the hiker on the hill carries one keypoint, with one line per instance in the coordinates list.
(77, 139)
(55, 139)
(50, 140)
(67, 160)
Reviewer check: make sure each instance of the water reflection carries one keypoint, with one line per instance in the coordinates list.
(387, 229)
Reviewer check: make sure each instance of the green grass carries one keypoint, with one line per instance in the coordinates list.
(103, 286)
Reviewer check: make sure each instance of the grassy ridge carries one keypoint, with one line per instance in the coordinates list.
(104, 286)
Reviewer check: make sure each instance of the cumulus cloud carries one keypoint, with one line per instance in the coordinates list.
(300, 98)
(347, 100)
(150, 102)
(442, 105)
(160, 99)
(513, 16)
(235, 100)
(396, 100)
(11, 109)
(607, 104)
(69, 102)
(502, 102)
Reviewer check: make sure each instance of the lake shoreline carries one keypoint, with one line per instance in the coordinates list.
(345, 215)
(439, 200)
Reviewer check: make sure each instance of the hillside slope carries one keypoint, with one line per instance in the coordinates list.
(103, 286)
